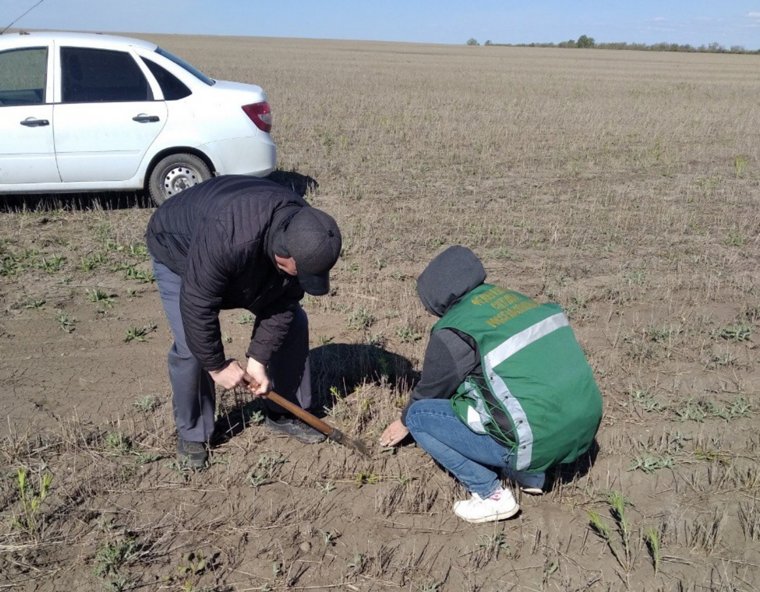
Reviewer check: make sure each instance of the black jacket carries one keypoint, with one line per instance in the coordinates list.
(219, 237)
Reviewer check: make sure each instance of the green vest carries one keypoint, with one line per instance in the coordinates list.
(538, 394)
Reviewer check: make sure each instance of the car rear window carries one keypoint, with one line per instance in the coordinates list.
(183, 64)
(23, 75)
(101, 75)
(172, 87)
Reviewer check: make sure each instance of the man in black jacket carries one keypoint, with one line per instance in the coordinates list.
(238, 242)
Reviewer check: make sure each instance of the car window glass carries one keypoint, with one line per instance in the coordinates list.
(99, 75)
(183, 64)
(23, 73)
(171, 86)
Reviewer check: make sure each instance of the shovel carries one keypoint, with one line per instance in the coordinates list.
(332, 433)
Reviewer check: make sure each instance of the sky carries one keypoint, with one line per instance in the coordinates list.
(693, 22)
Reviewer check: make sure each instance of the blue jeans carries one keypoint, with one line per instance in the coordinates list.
(193, 389)
(470, 457)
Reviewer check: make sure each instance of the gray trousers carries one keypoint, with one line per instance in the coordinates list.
(194, 391)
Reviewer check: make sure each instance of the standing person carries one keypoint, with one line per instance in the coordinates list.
(238, 242)
(504, 387)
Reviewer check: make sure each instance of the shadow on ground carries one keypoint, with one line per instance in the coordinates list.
(337, 369)
(73, 202)
(120, 200)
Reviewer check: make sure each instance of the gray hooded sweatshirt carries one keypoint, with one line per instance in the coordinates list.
(450, 356)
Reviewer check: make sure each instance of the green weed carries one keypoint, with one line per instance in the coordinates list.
(603, 530)
(31, 501)
(51, 264)
(245, 318)
(736, 333)
(650, 464)
(92, 262)
(139, 251)
(661, 334)
(408, 334)
(194, 564)
(361, 319)
(617, 508)
(139, 333)
(9, 265)
(118, 583)
(256, 417)
(98, 296)
(691, 411)
(146, 403)
(111, 557)
(117, 443)
(652, 540)
(326, 487)
(493, 543)
(699, 410)
(740, 164)
(266, 469)
(645, 400)
(735, 238)
(133, 273)
(34, 303)
(145, 458)
(66, 322)
(366, 478)
(739, 408)
(704, 454)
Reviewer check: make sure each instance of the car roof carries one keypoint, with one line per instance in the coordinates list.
(88, 39)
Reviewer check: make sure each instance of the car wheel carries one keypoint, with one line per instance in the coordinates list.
(175, 173)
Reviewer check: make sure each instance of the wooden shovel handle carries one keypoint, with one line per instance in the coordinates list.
(300, 413)
(332, 433)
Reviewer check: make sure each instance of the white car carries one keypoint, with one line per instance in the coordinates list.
(91, 112)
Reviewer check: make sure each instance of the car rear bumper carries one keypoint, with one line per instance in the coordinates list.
(243, 156)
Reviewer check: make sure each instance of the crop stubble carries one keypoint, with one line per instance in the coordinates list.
(623, 185)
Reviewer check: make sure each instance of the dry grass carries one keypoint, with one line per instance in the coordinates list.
(621, 184)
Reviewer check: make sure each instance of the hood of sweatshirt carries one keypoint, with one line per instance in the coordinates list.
(448, 277)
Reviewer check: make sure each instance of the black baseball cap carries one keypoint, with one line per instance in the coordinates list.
(313, 239)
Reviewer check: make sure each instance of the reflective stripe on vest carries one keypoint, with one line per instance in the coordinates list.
(500, 390)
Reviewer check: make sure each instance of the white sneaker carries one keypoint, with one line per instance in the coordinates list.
(531, 483)
(498, 506)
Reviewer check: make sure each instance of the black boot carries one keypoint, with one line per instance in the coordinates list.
(192, 455)
(289, 425)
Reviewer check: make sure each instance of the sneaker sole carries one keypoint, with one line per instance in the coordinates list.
(492, 517)
(532, 490)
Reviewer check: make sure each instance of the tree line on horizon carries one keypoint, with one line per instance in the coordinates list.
(586, 42)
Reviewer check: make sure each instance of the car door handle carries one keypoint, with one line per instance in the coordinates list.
(34, 122)
(142, 118)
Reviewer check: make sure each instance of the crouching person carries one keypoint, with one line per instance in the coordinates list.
(505, 387)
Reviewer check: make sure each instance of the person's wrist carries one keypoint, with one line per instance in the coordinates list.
(223, 367)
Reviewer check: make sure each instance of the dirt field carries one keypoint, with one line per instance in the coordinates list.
(623, 185)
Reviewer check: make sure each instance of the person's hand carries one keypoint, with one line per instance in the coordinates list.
(259, 380)
(393, 434)
(228, 377)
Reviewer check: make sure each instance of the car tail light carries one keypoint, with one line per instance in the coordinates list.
(260, 114)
